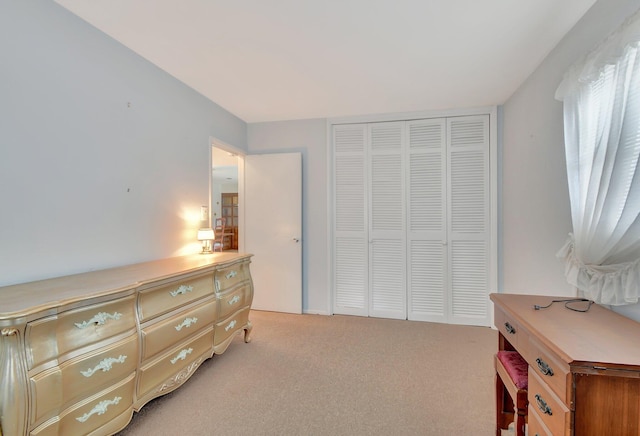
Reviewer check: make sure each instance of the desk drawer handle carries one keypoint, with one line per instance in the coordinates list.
(181, 355)
(510, 329)
(217, 285)
(99, 319)
(542, 405)
(544, 367)
(105, 365)
(231, 274)
(234, 300)
(183, 289)
(188, 322)
(99, 409)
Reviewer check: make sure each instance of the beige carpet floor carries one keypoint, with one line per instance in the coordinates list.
(336, 375)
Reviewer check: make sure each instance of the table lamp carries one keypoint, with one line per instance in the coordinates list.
(206, 235)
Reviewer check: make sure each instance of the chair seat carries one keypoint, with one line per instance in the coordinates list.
(511, 391)
(516, 367)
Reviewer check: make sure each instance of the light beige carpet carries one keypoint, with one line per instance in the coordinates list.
(336, 375)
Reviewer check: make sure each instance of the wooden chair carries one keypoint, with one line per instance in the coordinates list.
(218, 242)
(511, 391)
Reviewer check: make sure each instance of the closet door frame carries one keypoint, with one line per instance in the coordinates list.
(494, 255)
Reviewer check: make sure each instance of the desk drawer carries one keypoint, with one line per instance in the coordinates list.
(509, 328)
(536, 427)
(552, 370)
(52, 337)
(165, 297)
(166, 334)
(552, 411)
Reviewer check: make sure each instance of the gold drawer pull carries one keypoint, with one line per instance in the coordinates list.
(231, 274)
(99, 319)
(181, 355)
(188, 322)
(99, 409)
(183, 289)
(510, 329)
(544, 367)
(542, 405)
(104, 365)
(234, 300)
(231, 325)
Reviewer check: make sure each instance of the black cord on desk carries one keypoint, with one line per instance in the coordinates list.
(566, 304)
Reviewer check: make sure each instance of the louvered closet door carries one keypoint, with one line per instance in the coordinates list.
(387, 252)
(468, 219)
(426, 221)
(351, 274)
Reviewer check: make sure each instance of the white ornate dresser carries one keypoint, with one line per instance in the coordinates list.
(79, 354)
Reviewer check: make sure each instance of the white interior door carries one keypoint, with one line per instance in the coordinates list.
(273, 229)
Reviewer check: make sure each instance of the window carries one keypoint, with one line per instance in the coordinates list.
(601, 96)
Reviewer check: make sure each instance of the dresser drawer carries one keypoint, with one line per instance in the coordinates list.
(169, 295)
(92, 413)
(234, 300)
(165, 334)
(175, 366)
(552, 411)
(229, 326)
(552, 370)
(50, 338)
(77, 378)
(536, 427)
(229, 276)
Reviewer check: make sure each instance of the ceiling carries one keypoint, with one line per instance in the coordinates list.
(285, 59)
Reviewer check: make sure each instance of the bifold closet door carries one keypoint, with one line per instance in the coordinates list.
(468, 219)
(387, 249)
(412, 219)
(350, 221)
(426, 220)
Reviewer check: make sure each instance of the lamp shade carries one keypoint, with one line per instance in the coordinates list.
(206, 234)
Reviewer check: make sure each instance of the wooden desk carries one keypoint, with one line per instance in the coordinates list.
(584, 368)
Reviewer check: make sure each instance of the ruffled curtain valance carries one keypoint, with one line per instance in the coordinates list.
(609, 52)
(601, 96)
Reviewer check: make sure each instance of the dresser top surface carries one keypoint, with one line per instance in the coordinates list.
(598, 336)
(27, 298)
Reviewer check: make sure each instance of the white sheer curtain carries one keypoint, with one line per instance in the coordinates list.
(601, 95)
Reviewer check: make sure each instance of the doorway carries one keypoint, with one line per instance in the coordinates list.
(224, 194)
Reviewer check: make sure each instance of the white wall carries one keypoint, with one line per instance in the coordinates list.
(309, 138)
(535, 199)
(104, 158)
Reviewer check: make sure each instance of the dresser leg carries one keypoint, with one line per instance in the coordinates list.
(247, 332)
